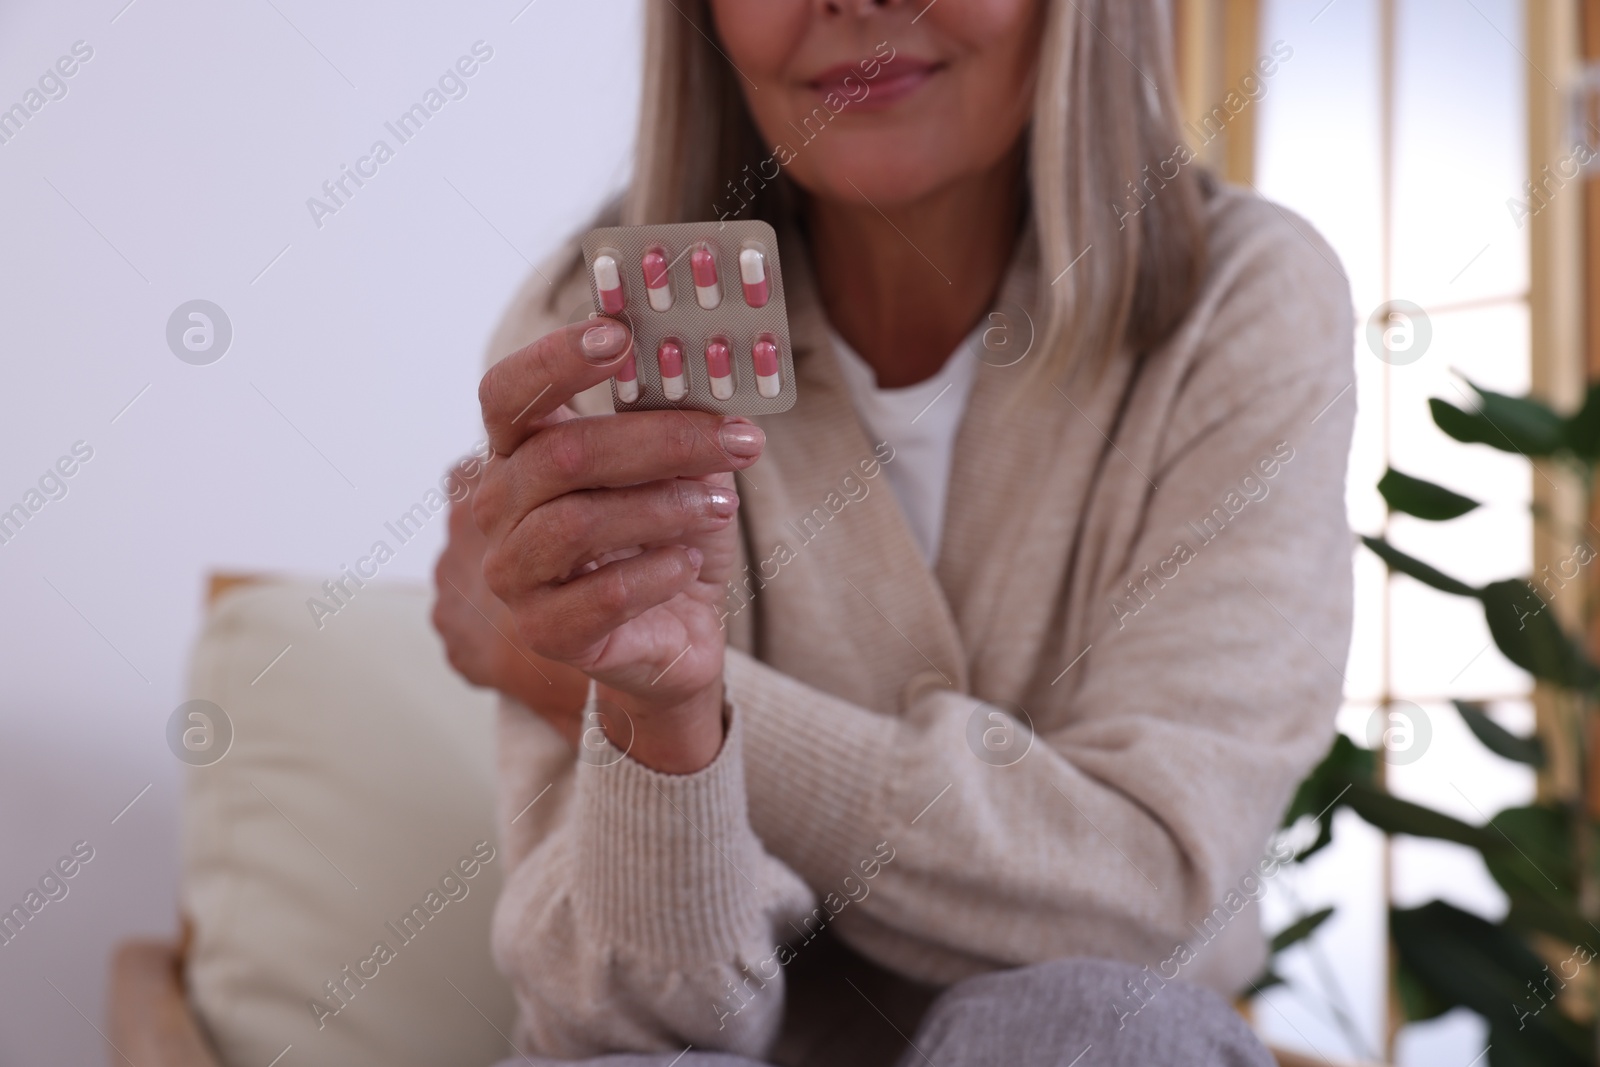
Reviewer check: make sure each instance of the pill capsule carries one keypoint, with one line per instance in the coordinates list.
(669, 357)
(628, 380)
(655, 279)
(719, 368)
(609, 282)
(765, 356)
(703, 265)
(753, 273)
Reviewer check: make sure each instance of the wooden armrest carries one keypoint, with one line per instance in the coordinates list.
(219, 582)
(150, 1020)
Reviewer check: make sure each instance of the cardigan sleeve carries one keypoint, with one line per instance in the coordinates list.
(648, 917)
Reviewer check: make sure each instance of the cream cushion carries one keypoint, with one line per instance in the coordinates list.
(360, 775)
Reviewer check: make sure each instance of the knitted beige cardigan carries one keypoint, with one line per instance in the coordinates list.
(1073, 736)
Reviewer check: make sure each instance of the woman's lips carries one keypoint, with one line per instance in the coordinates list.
(897, 79)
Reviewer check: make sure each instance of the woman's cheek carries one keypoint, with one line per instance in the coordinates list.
(762, 51)
(999, 40)
(759, 39)
(981, 25)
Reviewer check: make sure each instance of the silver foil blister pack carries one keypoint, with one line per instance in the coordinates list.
(704, 299)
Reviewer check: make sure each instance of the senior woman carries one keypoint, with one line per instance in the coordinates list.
(947, 715)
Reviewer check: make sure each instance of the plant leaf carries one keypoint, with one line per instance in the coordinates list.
(1417, 1001)
(1422, 572)
(1300, 929)
(1468, 427)
(1518, 424)
(1535, 907)
(1498, 739)
(1530, 636)
(1425, 500)
(1345, 762)
(1475, 428)
(1467, 961)
(1530, 422)
(1395, 816)
(1263, 982)
(1538, 872)
(1510, 1046)
(1542, 835)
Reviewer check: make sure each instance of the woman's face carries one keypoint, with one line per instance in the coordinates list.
(887, 101)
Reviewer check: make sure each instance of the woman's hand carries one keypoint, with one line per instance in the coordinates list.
(480, 637)
(611, 539)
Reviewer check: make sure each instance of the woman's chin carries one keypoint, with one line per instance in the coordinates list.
(879, 176)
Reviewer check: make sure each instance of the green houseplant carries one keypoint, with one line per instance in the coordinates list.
(1532, 975)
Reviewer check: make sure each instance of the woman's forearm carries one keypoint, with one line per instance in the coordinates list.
(637, 923)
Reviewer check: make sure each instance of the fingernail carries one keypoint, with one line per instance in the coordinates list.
(696, 557)
(603, 341)
(723, 503)
(742, 439)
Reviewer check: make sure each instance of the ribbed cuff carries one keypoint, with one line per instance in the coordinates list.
(823, 767)
(667, 864)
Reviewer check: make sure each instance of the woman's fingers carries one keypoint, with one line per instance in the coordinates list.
(573, 530)
(533, 382)
(612, 451)
(462, 601)
(570, 622)
(593, 522)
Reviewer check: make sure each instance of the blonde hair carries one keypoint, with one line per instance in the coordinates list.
(1103, 136)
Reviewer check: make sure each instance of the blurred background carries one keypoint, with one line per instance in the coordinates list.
(175, 165)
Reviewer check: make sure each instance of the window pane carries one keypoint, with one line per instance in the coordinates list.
(1459, 154)
(1460, 150)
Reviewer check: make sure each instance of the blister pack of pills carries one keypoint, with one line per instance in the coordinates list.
(705, 303)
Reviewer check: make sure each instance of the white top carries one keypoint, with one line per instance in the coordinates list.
(920, 423)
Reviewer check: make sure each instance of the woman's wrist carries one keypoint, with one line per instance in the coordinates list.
(680, 738)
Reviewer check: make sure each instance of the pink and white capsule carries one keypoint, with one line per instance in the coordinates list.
(719, 368)
(669, 357)
(703, 265)
(628, 380)
(753, 273)
(765, 355)
(655, 279)
(608, 281)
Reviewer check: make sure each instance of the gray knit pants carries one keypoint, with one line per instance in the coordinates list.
(1048, 1015)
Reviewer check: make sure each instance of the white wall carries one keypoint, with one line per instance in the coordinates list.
(176, 167)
